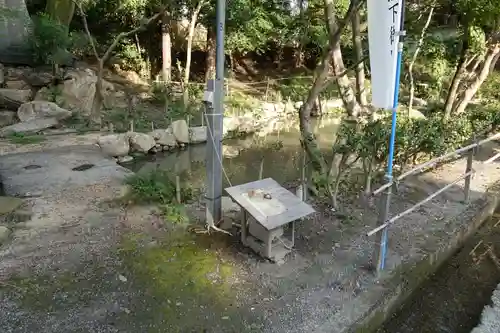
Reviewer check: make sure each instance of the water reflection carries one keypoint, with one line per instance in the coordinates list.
(242, 157)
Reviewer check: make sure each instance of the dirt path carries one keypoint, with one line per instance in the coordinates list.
(82, 264)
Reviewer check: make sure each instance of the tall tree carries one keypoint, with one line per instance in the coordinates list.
(322, 80)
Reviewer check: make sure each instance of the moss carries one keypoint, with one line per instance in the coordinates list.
(188, 285)
(53, 292)
(178, 284)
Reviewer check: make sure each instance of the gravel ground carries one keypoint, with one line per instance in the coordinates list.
(84, 265)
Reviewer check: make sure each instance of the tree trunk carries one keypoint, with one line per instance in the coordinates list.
(298, 55)
(210, 64)
(187, 68)
(308, 139)
(95, 114)
(455, 84)
(360, 67)
(299, 49)
(166, 48)
(61, 11)
(488, 65)
(346, 92)
(457, 77)
(415, 55)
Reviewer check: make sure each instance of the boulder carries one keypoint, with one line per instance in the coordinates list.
(30, 126)
(7, 118)
(77, 91)
(141, 142)
(49, 94)
(230, 151)
(42, 109)
(419, 102)
(415, 114)
(246, 124)
(19, 96)
(38, 79)
(180, 130)
(164, 137)
(125, 159)
(198, 134)
(16, 84)
(114, 144)
(230, 124)
(4, 233)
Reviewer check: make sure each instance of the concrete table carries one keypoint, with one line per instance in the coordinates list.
(267, 208)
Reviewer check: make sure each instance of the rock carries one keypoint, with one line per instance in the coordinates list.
(39, 79)
(419, 102)
(164, 137)
(49, 94)
(20, 96)
(7, 118)
(41, 109)
(415, 114)
(30, 126)
(180, 130)
(247, 125)
(9, 204)
(230, 124)
(78, 89)
(272, 108)
(198, 134)
(114, 144)
(230, 151)
(125, 159)
(2, 75)
(4, 233)
(141, 142)
(17, 73)
(16, 84)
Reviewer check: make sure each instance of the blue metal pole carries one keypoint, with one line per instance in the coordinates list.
(390, 160)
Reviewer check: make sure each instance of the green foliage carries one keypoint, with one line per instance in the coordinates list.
(23, 139)
(142, 116)
(131, 58)
(50, 41)
(156, 187)
(416, 139)
(297, 88)
(490, 89)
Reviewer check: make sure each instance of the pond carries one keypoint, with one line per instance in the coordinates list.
(280, 151)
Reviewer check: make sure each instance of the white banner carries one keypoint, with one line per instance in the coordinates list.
(384, 23)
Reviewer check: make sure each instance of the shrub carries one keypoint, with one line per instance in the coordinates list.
(416, 139)
(156, 187)
(50, 41)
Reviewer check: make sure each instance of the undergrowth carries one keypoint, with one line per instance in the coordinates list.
(157, 187)
(24, 139)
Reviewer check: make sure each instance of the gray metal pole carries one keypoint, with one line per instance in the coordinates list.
(214, 124)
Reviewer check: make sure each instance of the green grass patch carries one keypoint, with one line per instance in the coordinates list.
(157, 187)
(23, 139)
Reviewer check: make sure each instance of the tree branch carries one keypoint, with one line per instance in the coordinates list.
(347, 70)
(86, 26)
(122, 35)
